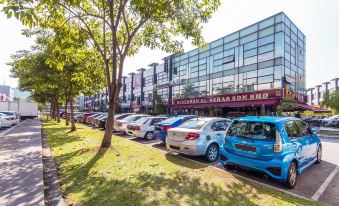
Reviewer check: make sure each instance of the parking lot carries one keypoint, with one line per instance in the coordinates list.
(319, 182)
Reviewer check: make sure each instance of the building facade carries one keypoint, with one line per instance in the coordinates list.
(315, 95)
(8, 91)
(246, 71)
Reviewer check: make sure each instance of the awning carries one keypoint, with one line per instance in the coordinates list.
(312, 108)
(267, 102)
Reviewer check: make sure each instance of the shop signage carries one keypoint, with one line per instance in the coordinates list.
(247, 96)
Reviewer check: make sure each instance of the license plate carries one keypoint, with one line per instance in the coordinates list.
(246, 147)
(174, 147)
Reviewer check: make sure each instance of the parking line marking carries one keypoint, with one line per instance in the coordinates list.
(325, 184)
(10, 129)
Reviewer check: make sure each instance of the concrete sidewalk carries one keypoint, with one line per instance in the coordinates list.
(21, 168)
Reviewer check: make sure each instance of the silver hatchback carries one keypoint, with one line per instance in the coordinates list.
(198, 137)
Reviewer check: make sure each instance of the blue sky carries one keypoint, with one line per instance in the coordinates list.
(317, 19)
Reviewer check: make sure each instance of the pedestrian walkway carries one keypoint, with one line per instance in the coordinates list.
(21, 169)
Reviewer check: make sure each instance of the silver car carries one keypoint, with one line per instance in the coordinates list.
(198, 137)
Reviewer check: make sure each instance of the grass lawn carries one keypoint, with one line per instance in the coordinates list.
(134, 174)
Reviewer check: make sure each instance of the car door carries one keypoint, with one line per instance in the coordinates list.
(309, 139)
(219, 128)
(297, 143)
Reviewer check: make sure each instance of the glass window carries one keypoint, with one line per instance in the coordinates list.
(252, 130)
(228, 59)
(265, 56)
(216, 50)
(193, 124)
(266, 23)
(229, 52)
(217, 43)
(266, 71)
(231, 37)
(278, 18)
(266, 40)
(279, 27)
(248, 38)
(250, 60)
(266, 48)
(251, 74)
(228, 78)
(265, 79)
(219, 126)
(266, 32)
(250, 45)
(204, 54)
(231, 44)
(249, 30)
(193, 53)
(291, 129)
(250, 53)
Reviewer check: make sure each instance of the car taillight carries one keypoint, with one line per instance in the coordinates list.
(165, 128)
(137, 128)
(278, 143)
(192, 136)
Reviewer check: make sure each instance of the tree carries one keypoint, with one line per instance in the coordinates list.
(118, 29)
(16, 99)
(159, 107)
(331, 100)
(287, 104)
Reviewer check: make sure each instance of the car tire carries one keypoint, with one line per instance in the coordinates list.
(319, 154)
(292, 176)
(149, 136)
(212, 153)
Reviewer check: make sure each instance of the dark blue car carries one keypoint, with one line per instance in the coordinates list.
(161, 128)
(281, 147)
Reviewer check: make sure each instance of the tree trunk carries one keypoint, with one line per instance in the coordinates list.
(66, 111)
(58, 111)
(106, 142)
(73, 128)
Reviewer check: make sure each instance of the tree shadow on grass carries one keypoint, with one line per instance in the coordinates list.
(183, 162)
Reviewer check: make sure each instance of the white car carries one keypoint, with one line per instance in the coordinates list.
(198, 137)
(14, 117)
(5, 121)
(144, 127)
(121, 125)
(327, 121)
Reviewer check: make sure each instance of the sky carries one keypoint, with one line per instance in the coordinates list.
(317, 19)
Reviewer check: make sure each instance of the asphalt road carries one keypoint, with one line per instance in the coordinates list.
(319, 182)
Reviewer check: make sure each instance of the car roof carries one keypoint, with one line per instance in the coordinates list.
(209, 118)
(274, 119)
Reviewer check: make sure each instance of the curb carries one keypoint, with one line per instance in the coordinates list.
(53, 195)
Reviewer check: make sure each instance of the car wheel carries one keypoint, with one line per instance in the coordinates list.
(319, 154)
(212, 153)
(149, 136)
(292, 176)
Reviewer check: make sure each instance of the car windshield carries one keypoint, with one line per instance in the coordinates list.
(252, 130)
(122, 116)
(7, 113)
(142, 120)
(193, 124)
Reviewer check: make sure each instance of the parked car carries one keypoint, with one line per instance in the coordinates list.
(144, 127)
(281, 147)
(84, 117)
(14, 117)
(315, 120)
(327, 121)
(121, 125)
(161, 128)
(91, 117)
(5, 121)
(96, 120)
(101, 123)
(198, 137)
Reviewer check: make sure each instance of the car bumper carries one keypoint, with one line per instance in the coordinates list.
(135, 133)
(191, 148)
(5, 124)
(275, 168)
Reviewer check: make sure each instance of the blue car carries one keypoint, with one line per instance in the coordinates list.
(281, 147)
(161, 128)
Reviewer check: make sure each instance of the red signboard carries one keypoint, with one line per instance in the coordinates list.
(246, 96)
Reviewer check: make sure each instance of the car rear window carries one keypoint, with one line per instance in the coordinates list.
(7, 113)
(252, 130)
(122, 116)
(171, 120)
(193, 124)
